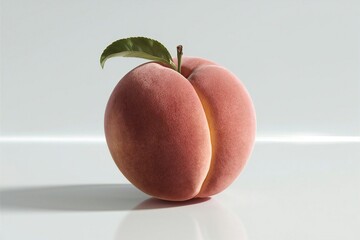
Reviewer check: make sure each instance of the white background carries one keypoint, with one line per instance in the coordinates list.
(300, 60)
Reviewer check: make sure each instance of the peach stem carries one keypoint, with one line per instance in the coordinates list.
(179, 55)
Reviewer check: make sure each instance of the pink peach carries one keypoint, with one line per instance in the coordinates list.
(180, 136)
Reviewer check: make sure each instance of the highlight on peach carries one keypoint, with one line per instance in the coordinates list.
(177, 128)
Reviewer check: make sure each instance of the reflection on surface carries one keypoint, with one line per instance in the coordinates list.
(147, 218)
(98, 197)
(194, 219)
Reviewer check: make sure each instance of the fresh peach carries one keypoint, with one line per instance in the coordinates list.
(178, 135)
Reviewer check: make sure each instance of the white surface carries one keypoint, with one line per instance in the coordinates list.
(300, 60)
(74, 191)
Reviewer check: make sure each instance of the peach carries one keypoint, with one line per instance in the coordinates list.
(180, 136)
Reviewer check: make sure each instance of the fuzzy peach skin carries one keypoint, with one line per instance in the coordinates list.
(177, 137)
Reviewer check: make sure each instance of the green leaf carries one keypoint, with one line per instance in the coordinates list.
(139, 47)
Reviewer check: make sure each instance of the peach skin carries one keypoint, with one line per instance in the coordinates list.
(177, 132)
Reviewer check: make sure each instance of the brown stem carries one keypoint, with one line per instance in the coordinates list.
(179, 56)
